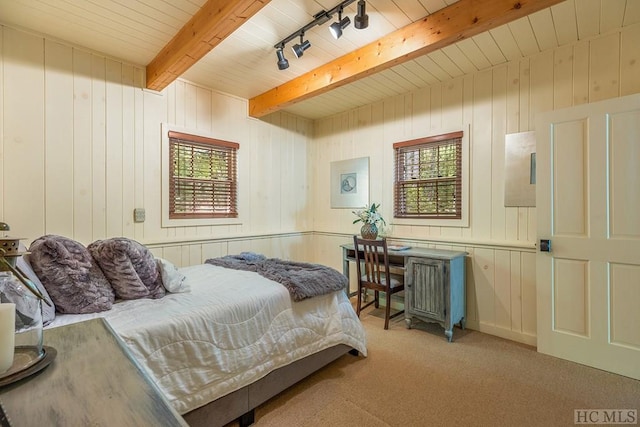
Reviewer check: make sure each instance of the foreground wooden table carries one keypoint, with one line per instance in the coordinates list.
(93, 381)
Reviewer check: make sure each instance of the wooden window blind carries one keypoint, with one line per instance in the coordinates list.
(203, 177)
(428, 177)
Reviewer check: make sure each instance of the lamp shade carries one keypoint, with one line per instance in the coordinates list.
(337, 27)
(283, 63)
(299, 48)
(361, 20)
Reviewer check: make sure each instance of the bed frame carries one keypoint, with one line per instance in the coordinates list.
(241, 404)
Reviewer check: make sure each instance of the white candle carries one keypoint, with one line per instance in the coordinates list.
(7, 335)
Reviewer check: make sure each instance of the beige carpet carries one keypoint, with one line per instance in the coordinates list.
(414, 377)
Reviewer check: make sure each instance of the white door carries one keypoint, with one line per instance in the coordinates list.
(588, 206)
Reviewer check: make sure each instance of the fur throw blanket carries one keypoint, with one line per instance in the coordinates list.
(303, 280)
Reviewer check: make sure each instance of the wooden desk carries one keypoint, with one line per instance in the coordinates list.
(434, 284)
(93, 381)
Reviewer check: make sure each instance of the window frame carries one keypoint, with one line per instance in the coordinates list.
(198, 137)
(463, 221)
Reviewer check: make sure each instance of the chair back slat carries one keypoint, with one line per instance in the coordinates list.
(372, 256)
(374, 259)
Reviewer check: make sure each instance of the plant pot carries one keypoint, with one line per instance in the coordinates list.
(369, 231)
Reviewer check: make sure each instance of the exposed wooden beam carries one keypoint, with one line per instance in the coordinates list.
(215, 20)
(462, 19)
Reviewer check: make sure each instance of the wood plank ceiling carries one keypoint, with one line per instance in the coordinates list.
(244, 63)
(461, 20)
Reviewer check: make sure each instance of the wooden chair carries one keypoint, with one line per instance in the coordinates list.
(372, 256)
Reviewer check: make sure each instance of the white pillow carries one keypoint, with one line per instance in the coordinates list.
(48, 311)
(172, 279)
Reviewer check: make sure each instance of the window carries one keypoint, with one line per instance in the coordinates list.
(428, 177)
(202, 177)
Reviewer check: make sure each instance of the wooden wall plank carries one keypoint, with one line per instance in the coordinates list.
(436, 109)
(512, 126)
(541, 95)
(481, 156)
(502, 289)
(498, 132)
(528, 286)
(138, 179)
(581, 59)
(604, 68)
(98, 147)
(467, 119)
(82, 146)
(23, 161)
(630, 60)
(563, 77)
(154, 113)
(484, 283)
(114, 149)
(204, 118)
(128, 150)
(58, 97)
(515, 291)
(421, 119)
(525, 93)
(2, 156)
(452, 97)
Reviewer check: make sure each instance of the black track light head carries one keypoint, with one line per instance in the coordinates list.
(337, 27)
(361, 20)
(283, 63)
(299, 48)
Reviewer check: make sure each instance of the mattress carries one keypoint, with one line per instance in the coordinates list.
(231, 329)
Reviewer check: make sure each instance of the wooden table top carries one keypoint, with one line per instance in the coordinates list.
(93, 381)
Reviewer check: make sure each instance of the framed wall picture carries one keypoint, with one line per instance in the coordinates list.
(350, 183)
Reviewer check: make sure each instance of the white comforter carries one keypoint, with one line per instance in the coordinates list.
(231, 329)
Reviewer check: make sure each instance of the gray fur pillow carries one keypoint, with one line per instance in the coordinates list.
(129, 266)
(73, 280)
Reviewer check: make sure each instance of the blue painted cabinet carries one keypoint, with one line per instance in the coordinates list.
(435, 291)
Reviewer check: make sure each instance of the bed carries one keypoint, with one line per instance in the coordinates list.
(232, 342)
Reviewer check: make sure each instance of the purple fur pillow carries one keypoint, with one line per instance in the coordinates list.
(129, 266)
(73, 280)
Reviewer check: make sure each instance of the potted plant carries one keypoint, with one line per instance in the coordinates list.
(371, 218)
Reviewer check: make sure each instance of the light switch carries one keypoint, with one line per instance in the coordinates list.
(138, 215)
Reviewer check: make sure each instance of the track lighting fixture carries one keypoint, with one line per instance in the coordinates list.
(283, 63)
(337, 27)
(361, 22)
(298, 49)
